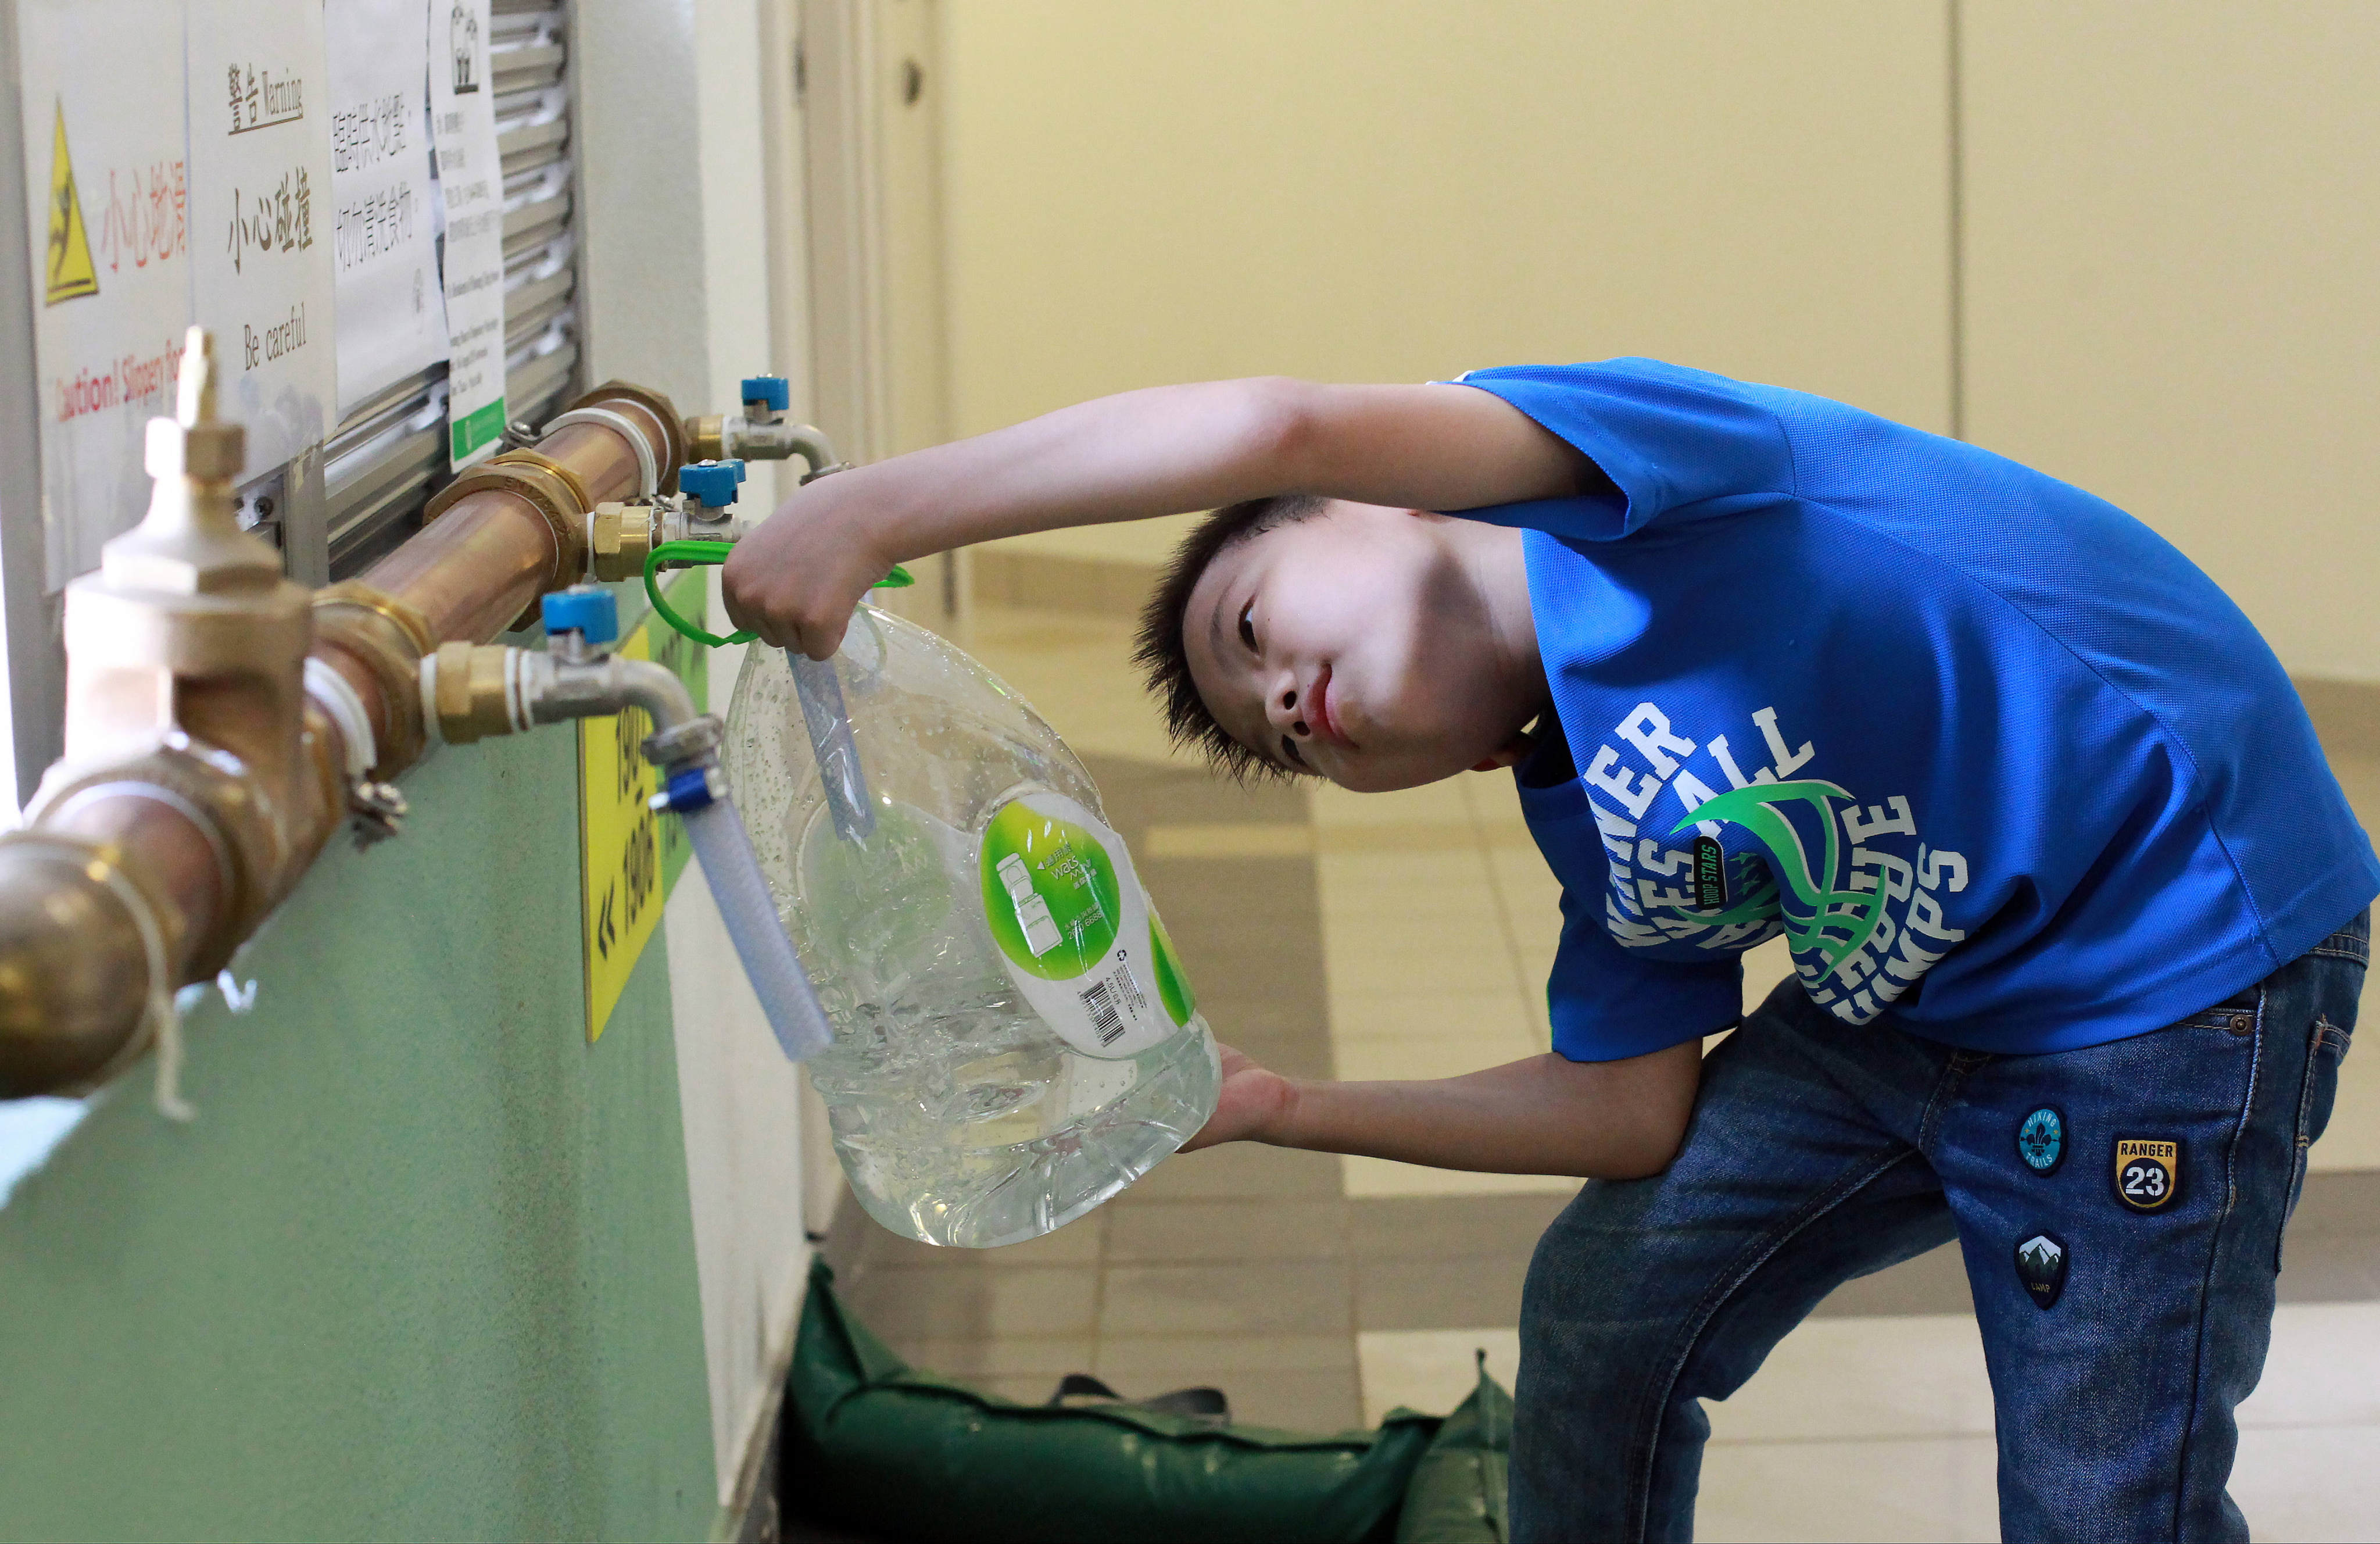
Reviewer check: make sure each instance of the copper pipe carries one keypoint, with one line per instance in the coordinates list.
(174, 850)
(193, 833)
(605, 464)
(475, 568)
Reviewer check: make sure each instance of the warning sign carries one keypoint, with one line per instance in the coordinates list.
(261, 270)
(630, 856)
(109, 236)
(71, 275)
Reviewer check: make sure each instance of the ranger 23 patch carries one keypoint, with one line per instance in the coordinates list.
(2147, 1172)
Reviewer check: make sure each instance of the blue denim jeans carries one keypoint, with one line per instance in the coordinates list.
(1820, 1151)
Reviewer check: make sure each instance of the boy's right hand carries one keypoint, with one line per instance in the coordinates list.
(1249, 1107)
(798, 578)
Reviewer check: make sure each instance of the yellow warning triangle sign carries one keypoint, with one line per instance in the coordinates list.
(70, 271)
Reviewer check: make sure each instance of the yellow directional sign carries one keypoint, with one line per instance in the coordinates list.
(70, 269)
(629, 857)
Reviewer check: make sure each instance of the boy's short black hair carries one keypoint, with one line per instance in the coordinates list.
(1159, 650)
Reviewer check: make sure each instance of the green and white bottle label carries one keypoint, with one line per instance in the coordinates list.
(1074, 929)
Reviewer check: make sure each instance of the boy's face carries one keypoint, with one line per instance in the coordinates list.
(1375, 646)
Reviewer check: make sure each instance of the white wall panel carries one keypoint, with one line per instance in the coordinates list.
(640, 127)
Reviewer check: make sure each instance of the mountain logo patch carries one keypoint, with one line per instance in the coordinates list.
(2041, 1140)
(2041, 1266)
(2147, 1172)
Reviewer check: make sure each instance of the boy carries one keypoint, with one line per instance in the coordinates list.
(2076, 909)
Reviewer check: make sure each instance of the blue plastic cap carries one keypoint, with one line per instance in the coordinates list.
(767, 389)
(585, 609)
(688, 790)
(712, 482)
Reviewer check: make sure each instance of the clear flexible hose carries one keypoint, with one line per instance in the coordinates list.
(725, 850)
(828, 722)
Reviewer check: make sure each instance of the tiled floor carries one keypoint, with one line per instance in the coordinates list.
(1408, 935)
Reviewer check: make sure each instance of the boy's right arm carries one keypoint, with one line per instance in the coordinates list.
(1543, 1115)
(1162, 450)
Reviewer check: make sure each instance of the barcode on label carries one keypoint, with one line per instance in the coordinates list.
(1106, 1023)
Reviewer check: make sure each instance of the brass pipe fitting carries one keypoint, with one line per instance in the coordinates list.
(560, 470)
(580, 468)
(619, 538)
(561, 501)
(188, 791)
(252, 844)
(185, 664)
(473, 691)
(376, 642)
(200, 778)
(671, 443)
(74, 965)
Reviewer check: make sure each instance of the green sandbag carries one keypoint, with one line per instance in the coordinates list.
(874, 1445)
(1457, 1494)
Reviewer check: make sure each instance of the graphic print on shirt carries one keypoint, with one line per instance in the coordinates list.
(1853, 890)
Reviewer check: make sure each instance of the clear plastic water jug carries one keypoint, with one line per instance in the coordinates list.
(1015, 1041)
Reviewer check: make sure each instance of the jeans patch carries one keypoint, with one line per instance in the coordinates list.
(2041, 1266)
(2147, 1172)
(2041, 1140)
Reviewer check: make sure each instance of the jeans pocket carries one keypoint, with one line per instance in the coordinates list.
(2325, 1047)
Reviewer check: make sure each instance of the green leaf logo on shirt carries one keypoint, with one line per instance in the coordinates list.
(1828, 917)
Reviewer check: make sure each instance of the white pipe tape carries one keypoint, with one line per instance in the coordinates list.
(159, 1014)
(432, 732)
(339, 700)
(649, 475)
(517, 690)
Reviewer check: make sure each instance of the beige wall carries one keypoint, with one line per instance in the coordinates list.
(2168, 229)
(1387, 190)
(2173, 287)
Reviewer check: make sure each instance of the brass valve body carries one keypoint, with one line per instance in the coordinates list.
(706, 437)
(621, 536)
(185, 656)
(474, 698)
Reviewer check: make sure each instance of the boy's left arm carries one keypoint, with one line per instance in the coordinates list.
(1159, 451)
(1544, 1116)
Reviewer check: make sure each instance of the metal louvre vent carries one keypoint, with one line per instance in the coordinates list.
(389, 455)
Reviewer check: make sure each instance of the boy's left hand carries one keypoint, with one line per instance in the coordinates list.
(797, 580)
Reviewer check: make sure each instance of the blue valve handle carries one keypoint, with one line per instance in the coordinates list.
(712, 482)
(591, 613)
(769, 391)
